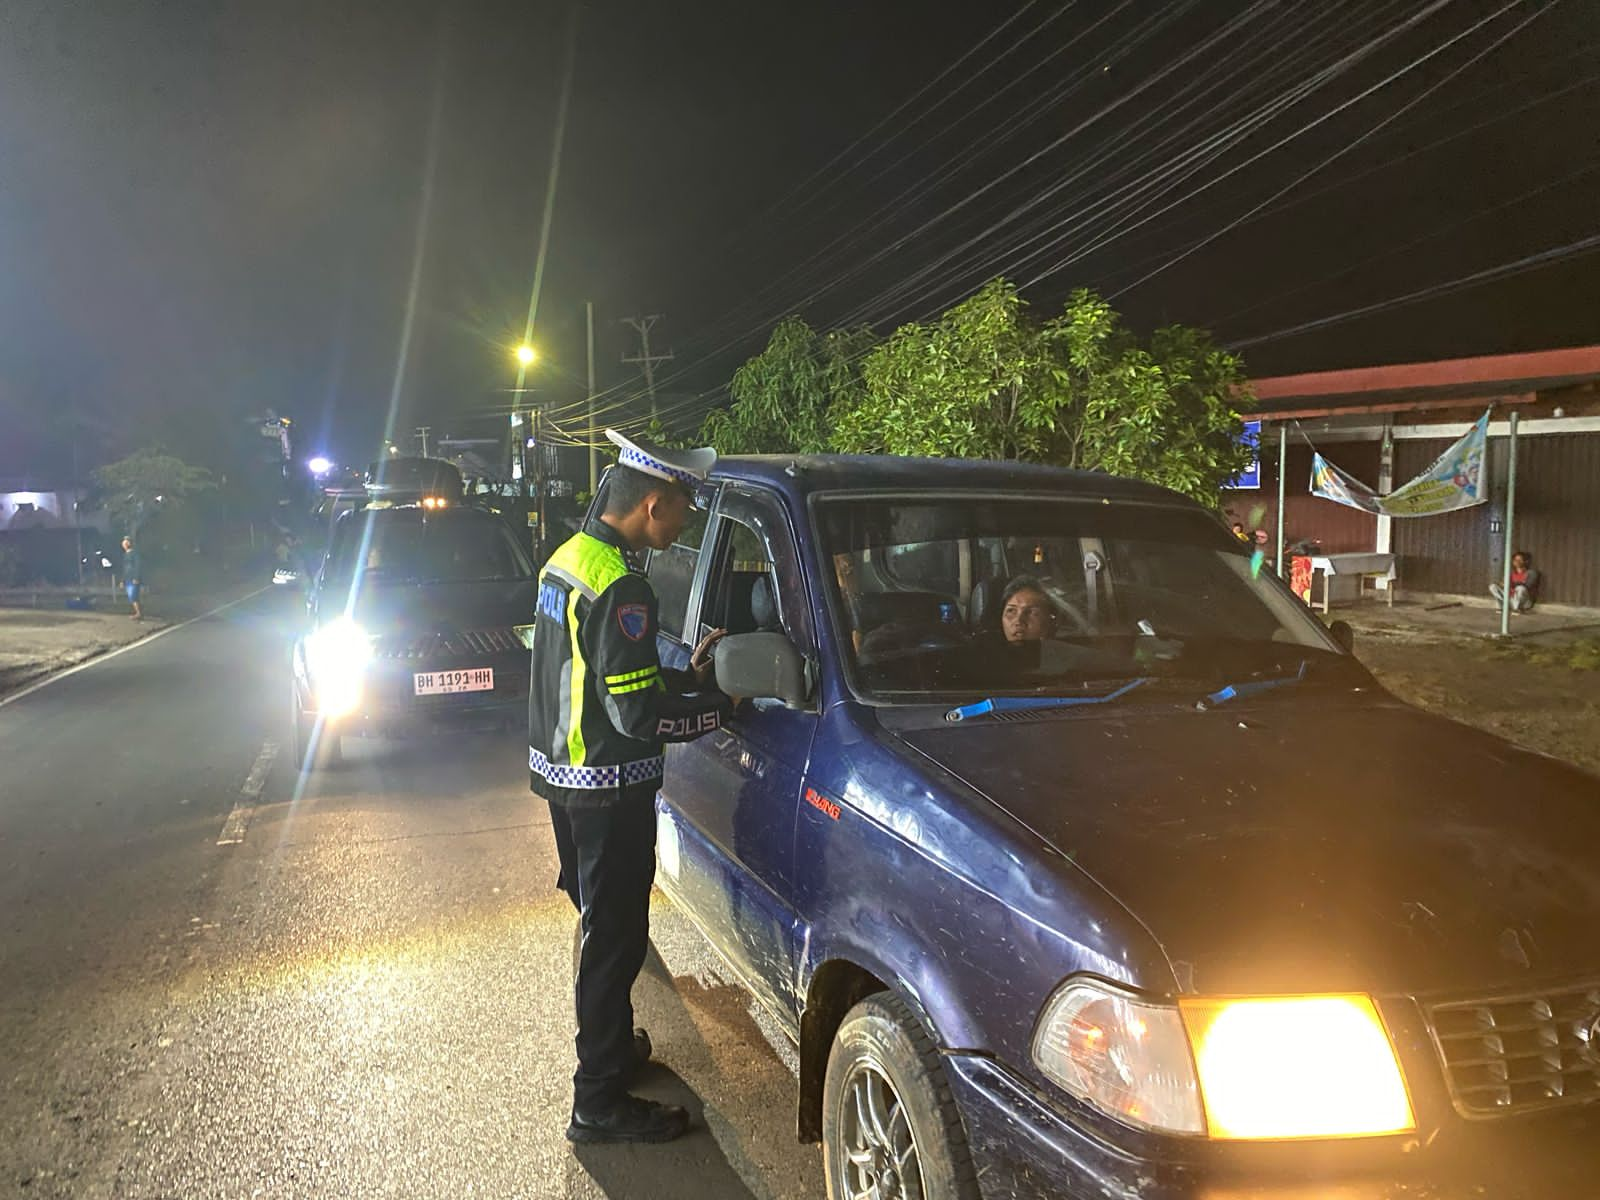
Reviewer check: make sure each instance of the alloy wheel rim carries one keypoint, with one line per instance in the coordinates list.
(877, 1153)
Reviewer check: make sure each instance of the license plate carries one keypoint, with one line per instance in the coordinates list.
(436, 683)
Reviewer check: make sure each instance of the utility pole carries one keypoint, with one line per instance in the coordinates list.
(645, 359)
(422, 436)
(594, 448)
(540, 482)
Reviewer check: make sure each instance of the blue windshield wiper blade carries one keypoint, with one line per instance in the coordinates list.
(1025, 703)
(1235, 691)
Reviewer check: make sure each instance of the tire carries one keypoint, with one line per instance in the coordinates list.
(888, 1116)
(329, 748)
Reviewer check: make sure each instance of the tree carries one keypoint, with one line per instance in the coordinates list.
(983, 381)
(786, 398)
(977, 383)
(147, 477)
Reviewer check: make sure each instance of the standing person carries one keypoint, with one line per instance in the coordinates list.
(600, 706)
(1525, 579)
(132, 575)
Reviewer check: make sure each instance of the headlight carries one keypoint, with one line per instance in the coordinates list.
(1126, 1057)
(1256, 1068)
(1296, 1067)
(336, 656)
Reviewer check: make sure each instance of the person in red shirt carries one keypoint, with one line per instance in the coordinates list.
(1525, 578)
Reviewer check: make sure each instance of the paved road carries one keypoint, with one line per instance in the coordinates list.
(368, 995)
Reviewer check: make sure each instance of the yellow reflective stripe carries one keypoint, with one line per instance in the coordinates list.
(580, 670)
(630, 676)
(640, 685)
(588, 563)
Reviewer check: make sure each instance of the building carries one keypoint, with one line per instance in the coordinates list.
(35, 504)
(1386, 425)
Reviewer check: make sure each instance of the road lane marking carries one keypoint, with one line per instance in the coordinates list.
(144, 641)
(233, 828)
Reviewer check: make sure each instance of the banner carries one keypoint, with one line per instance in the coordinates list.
(1454, 481)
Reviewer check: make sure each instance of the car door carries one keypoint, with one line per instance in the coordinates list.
(730, 799)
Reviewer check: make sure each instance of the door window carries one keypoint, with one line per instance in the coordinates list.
(754, 583)
(671, 573)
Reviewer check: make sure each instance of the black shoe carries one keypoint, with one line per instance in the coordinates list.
(630, 1119)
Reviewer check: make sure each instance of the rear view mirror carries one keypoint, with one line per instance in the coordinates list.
(1344, 635)
(761, 666)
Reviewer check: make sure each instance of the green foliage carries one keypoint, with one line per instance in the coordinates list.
(984, 380)
(785, 398)
(1165, 413)
(976, 383)
(147, 477)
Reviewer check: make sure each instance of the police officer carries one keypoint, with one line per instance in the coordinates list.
(600, 706)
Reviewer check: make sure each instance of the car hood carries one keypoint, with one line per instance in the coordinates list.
(389, 609)
(1309, 843)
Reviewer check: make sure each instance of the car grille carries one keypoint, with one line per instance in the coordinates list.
(1517, 1053)
(470, 643)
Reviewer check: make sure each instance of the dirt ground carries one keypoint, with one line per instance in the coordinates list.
(34, 642)
(1546, 698)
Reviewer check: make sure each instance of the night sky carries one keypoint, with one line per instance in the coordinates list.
(210, 208)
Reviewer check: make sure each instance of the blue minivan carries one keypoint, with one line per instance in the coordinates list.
(1079, 859)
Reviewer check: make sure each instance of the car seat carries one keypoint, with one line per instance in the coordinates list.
(764, 606)
(983, 612)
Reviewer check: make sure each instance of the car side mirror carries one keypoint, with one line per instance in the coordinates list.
(762, 666)
(1344, 635)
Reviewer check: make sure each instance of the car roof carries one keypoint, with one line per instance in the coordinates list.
(453, 512)
(803, 474)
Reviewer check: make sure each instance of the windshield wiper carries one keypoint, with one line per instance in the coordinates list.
(1024, 703)
(1235, 691)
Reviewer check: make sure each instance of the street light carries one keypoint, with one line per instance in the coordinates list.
(527, 355)
(319, 465)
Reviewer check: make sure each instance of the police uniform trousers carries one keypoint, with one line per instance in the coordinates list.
(607, 852)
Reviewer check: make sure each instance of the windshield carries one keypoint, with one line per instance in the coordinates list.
(410, 545)
(961, 595)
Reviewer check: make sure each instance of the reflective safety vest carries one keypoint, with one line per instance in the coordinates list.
(600, 704)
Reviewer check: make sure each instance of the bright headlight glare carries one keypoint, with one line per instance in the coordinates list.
(1128, 1058)
(1296, 1067)
(337, 655)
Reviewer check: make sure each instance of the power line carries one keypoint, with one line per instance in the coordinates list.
(1505, 270)
(1349, 146)
(777, 206)
(1389, 252)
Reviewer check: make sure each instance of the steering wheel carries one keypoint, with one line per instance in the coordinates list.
(902, 639)
(1062, 606)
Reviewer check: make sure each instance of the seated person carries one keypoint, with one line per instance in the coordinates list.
(1027, 624)
(1525, 580)
(1026, 613)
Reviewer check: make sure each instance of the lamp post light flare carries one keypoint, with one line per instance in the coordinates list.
(527, 355)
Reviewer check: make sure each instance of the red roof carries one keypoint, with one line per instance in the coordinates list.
(1508, 373)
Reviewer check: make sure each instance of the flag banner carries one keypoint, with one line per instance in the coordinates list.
(1329, 482)
(1454, 481)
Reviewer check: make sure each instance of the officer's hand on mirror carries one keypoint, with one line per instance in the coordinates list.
(700, 660)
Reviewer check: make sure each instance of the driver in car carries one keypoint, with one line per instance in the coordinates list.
(1027, 622)
(1026, 614)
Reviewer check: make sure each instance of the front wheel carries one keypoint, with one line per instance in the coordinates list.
(312, 748)
(890, 1129)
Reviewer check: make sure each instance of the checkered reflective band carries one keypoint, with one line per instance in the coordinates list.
(593, 778)
(632, 456)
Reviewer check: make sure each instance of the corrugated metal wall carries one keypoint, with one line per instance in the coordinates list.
(1340, 529)
(1558, 520)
